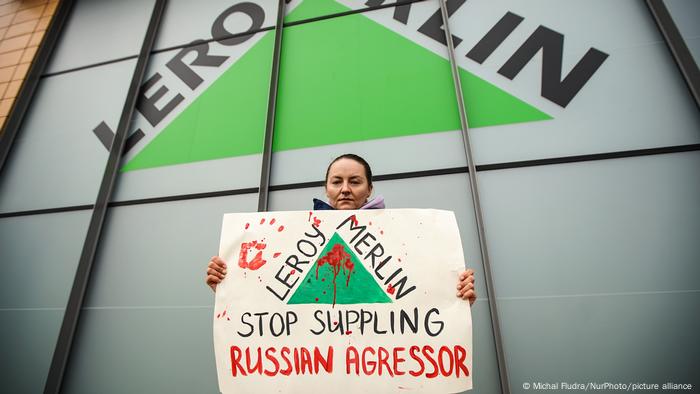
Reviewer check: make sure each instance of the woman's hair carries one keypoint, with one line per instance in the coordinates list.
(351, 156)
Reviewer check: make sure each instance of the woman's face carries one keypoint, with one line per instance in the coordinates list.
(347, 186)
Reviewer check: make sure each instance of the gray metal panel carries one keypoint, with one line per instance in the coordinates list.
(635, 93)
(57, 160)
(602, 339)
(38, 255)
(597, 258)
(27, 339)
(685, 14)
(99, 31)
(38, 258)
(159, 253)
(185, 21)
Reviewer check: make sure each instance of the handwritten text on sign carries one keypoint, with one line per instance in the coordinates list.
(364, 299)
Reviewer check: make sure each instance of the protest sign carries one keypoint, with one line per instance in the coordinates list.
(351, 301)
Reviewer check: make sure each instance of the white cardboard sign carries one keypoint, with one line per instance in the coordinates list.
(316, 301)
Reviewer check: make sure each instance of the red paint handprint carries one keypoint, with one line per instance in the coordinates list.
(256, 247)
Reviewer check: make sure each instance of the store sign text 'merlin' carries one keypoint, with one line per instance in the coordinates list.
(554, 88)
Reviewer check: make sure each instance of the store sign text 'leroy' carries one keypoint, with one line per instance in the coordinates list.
(553, 88)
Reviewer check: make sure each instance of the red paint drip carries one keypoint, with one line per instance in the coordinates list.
(228, 318)
(280, 228)
(247, 225)
(276, 255)
(335, 323)
(309, 216)
(370, 223)
(390, 289)
(399, 259)
(293, 272)
(218, 316)
(223, 314)
(354, 220)
(257, 261)
(381, 232)
(316, 299)
(337, 259)
(262, 220)
(317, 222)
(348, 332)
(272, 221)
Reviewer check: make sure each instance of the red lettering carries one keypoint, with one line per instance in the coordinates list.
(296, 361)
(269, 356)
(427, 352)
(398, 360)
(384, 361)
(236, 361)
(366, 362)
(305, 360)
(351, 356)
(327, 362)
(460, 357)
(258, 365)
(414, 355)
(445, 350)
(284, 352)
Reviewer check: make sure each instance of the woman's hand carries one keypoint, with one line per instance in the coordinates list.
(465, 286)
(216, 272)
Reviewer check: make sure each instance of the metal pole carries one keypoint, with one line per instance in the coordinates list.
(263, 193)
(82, 275)
(500, 356)
(676, 44)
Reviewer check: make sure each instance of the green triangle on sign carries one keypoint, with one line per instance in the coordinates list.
(344, 79)
(338, 277)
(225, 120)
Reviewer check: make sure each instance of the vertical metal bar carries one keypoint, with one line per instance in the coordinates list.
(21, 106)
(676, 44)
(263, 191)
(500, 355)
(82, 275)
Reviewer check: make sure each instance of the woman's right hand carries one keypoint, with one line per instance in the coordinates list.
(216, 272)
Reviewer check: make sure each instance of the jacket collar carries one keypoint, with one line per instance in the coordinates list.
(375, 203)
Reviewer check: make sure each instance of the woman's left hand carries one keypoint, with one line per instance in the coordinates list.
(465, 286)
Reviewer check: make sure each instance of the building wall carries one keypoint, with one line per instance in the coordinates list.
(22, 26)
(589, 190)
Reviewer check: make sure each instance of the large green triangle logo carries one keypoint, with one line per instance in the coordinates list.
(338, 277)
(344, 79)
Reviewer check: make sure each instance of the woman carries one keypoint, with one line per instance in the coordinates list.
(348, 186)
